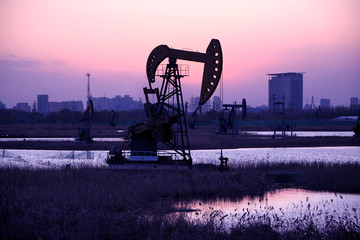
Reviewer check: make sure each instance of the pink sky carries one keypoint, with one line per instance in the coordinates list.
(46, 47)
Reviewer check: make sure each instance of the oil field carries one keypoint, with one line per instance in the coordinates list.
(174, 177)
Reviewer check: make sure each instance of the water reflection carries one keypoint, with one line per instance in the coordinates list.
(280, 208)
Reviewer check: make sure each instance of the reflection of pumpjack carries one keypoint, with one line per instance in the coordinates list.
(357, 127)
(84, 132)
(167, 120)
(228, 126)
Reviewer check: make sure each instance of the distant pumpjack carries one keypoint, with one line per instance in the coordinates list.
(84, 133)
(113, 118)
(228, 126)
(194, 120)
(280, 113)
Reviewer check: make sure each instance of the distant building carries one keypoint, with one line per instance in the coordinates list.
(54, 107)
(324, 103)
(70, 105)
(102, 103)
(194, 103)
(73, 105)
(354, 103)
(118, 103)
(206, 107)
(34, 107)
(23, 107)
(43, 104)
(2, 105)
(286, 87)
(307, 107)
(217, 103)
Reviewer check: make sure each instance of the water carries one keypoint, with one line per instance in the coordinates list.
(237, 157)
(68, 139)
(282, 209)
(302, 133)
(261, 133)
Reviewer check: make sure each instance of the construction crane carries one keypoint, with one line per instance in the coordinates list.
(167, 119)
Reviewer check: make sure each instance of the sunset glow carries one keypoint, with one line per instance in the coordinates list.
(47, 46)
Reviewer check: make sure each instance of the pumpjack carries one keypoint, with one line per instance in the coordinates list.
(228, 126)
(167, 119)
(84, 132)
(113, 118)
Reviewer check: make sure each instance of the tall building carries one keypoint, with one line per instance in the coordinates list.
(43, 104)
(286, 87)
(325, 103)
(2, 105)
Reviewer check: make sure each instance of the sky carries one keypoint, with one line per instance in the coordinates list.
(47, 47)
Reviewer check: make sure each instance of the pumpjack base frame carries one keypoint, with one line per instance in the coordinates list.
(147, 167)
(119, 159)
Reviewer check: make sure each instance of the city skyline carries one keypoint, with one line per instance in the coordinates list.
(116, 103)
(62, 40)
(44, 104)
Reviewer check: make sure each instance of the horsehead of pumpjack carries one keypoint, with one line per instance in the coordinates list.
(212, 59)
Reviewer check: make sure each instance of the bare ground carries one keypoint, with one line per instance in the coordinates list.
(201, 138)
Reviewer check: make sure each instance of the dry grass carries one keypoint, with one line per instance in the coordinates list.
(89, 203)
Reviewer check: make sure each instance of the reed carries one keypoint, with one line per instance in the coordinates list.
(83, 203)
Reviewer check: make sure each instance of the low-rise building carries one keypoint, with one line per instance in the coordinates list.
(324, 103)
(23, 107)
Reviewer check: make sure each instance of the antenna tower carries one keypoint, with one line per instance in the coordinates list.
(312, 103)
(88, 88)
